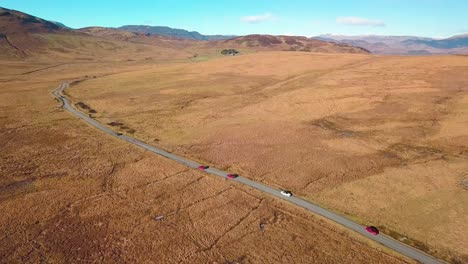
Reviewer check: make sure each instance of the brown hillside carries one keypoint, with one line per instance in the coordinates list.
(245, 43)
(25, 36)
(289, 43)
(28, 37)
(108, 32)
(15, 22)
(122, 35)
(16, 32)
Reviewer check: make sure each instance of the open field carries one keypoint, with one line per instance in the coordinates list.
(381, 139)
(69, 193)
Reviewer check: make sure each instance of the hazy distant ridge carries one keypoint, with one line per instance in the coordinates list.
(172, 32)
(410, 45)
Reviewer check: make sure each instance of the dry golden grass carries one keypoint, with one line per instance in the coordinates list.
(389, 134)
(69, 193)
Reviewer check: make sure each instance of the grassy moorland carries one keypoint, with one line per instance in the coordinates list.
(379, 138)
(69, 193)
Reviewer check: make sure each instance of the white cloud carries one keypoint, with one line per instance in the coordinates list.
(359, 21)
(257, 18)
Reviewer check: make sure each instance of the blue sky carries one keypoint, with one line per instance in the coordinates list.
(432, 18)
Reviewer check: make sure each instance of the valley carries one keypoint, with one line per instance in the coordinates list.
(381, 140)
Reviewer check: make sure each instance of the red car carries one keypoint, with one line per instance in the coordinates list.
(202, 167)
(232, 176)
(373, 230)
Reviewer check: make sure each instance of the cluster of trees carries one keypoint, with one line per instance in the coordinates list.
(229, 52)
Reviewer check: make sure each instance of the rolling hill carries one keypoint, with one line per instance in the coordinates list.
(17, 31)
(14, 22)
(28, 37)
(135, 37)
(24, 36)
(289, 43)
(172, 32)
(249, 43)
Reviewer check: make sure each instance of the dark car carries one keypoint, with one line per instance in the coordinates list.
(232, 176)
(203, 167)
(373, 230)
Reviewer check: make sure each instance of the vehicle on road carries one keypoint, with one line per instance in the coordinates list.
(373, 230)
(203, 167)
(402, 248)
(118, 134)
(232, 176)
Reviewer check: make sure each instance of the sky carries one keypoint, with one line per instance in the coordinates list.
(429, 18)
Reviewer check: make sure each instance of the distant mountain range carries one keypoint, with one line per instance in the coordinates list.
(23, 34)
(172, 32)
(460, 41)
(409, 45)
(249, 42)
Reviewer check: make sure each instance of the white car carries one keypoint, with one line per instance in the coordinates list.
(286, 193)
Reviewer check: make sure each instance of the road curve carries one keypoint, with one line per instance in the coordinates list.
(381, 238)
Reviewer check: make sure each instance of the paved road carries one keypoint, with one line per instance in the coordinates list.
(382, 239)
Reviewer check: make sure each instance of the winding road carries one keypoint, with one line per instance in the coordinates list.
(387, 241)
